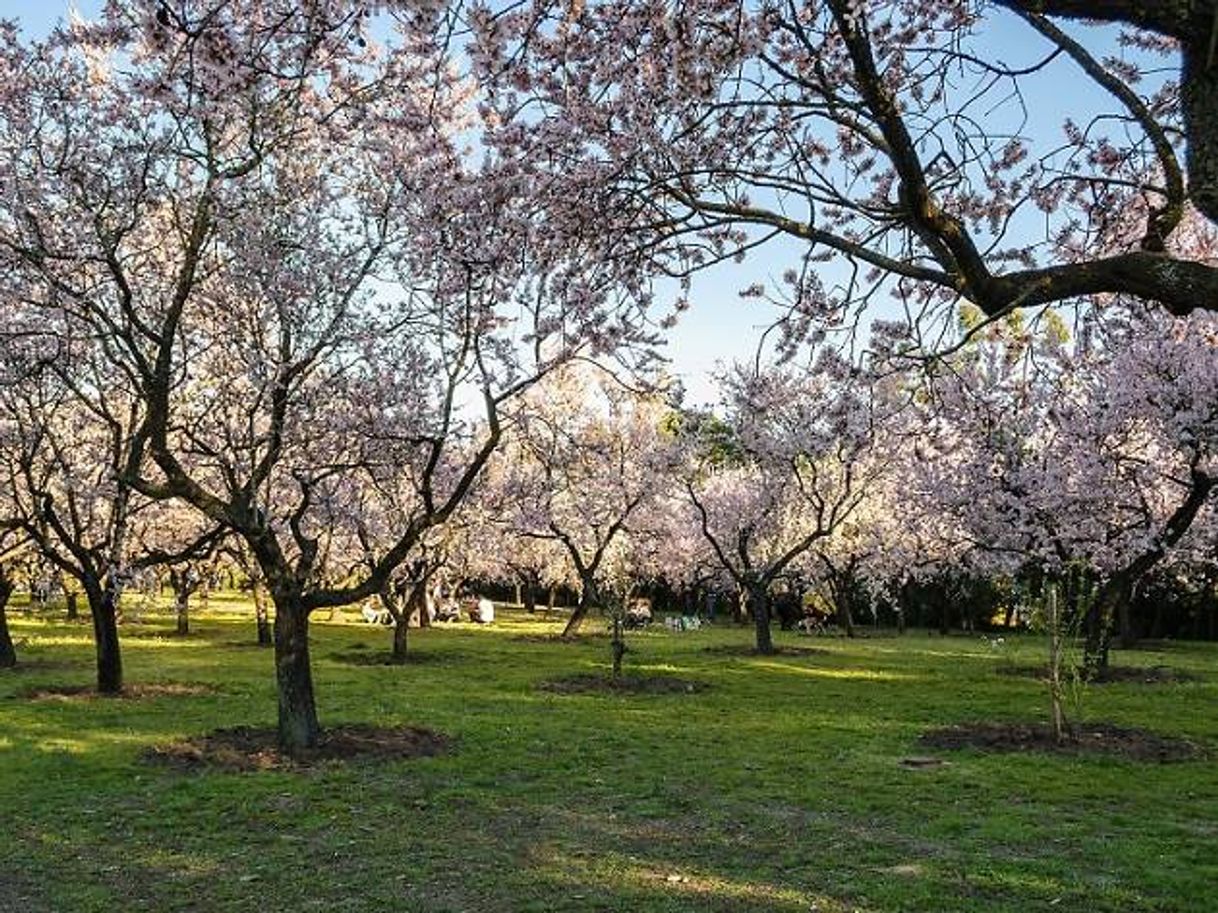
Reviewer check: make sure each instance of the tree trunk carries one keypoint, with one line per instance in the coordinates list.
(183, 609)
(1098, 621)
(1199, 94)
(298, 726)
(8, 652)
(759, 605)
(103, 606)
(1057, 711)
(617, 646)
(261, 616)
(401, 629)
(416, 604)
(577, 616)
(1127, 636)
(529, 592)
(73, 611)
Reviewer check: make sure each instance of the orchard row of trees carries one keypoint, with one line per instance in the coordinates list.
(313, 279)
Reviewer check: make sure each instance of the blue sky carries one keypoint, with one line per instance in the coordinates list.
(721, 326)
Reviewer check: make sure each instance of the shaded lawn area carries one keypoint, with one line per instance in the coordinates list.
(777, 787)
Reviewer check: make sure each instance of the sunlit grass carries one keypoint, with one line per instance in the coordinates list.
(778, 788)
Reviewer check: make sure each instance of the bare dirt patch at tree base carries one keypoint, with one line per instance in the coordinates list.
(754, 653)
(1129, 675)
(1087, 738)
(593, 683)
(247, 748)
(381, 658)
(135, 692)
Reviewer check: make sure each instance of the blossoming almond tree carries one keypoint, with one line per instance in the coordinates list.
(923, 147)
(280, 235)
(1098, 455)
(586, 457)
(68, 442)
(804, 457)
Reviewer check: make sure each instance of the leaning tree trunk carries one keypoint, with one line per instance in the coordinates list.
(298, 726)
(103, 607)
(262, 617)
(577, 616)
(8, 652)
(759, 605)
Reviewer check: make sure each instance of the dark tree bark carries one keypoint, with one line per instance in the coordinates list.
(845, 617)
(759, 606)
(401, 639)
(182, 607)
(73, 611)
(261, 616)
(183, 586)
(587, 596)
(103, 607)
(8, 652)
(299, 729)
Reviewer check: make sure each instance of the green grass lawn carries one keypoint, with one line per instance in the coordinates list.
(777, 788)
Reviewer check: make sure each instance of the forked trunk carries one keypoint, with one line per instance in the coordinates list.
(417, 603)
(8, 652)
(298, 726)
